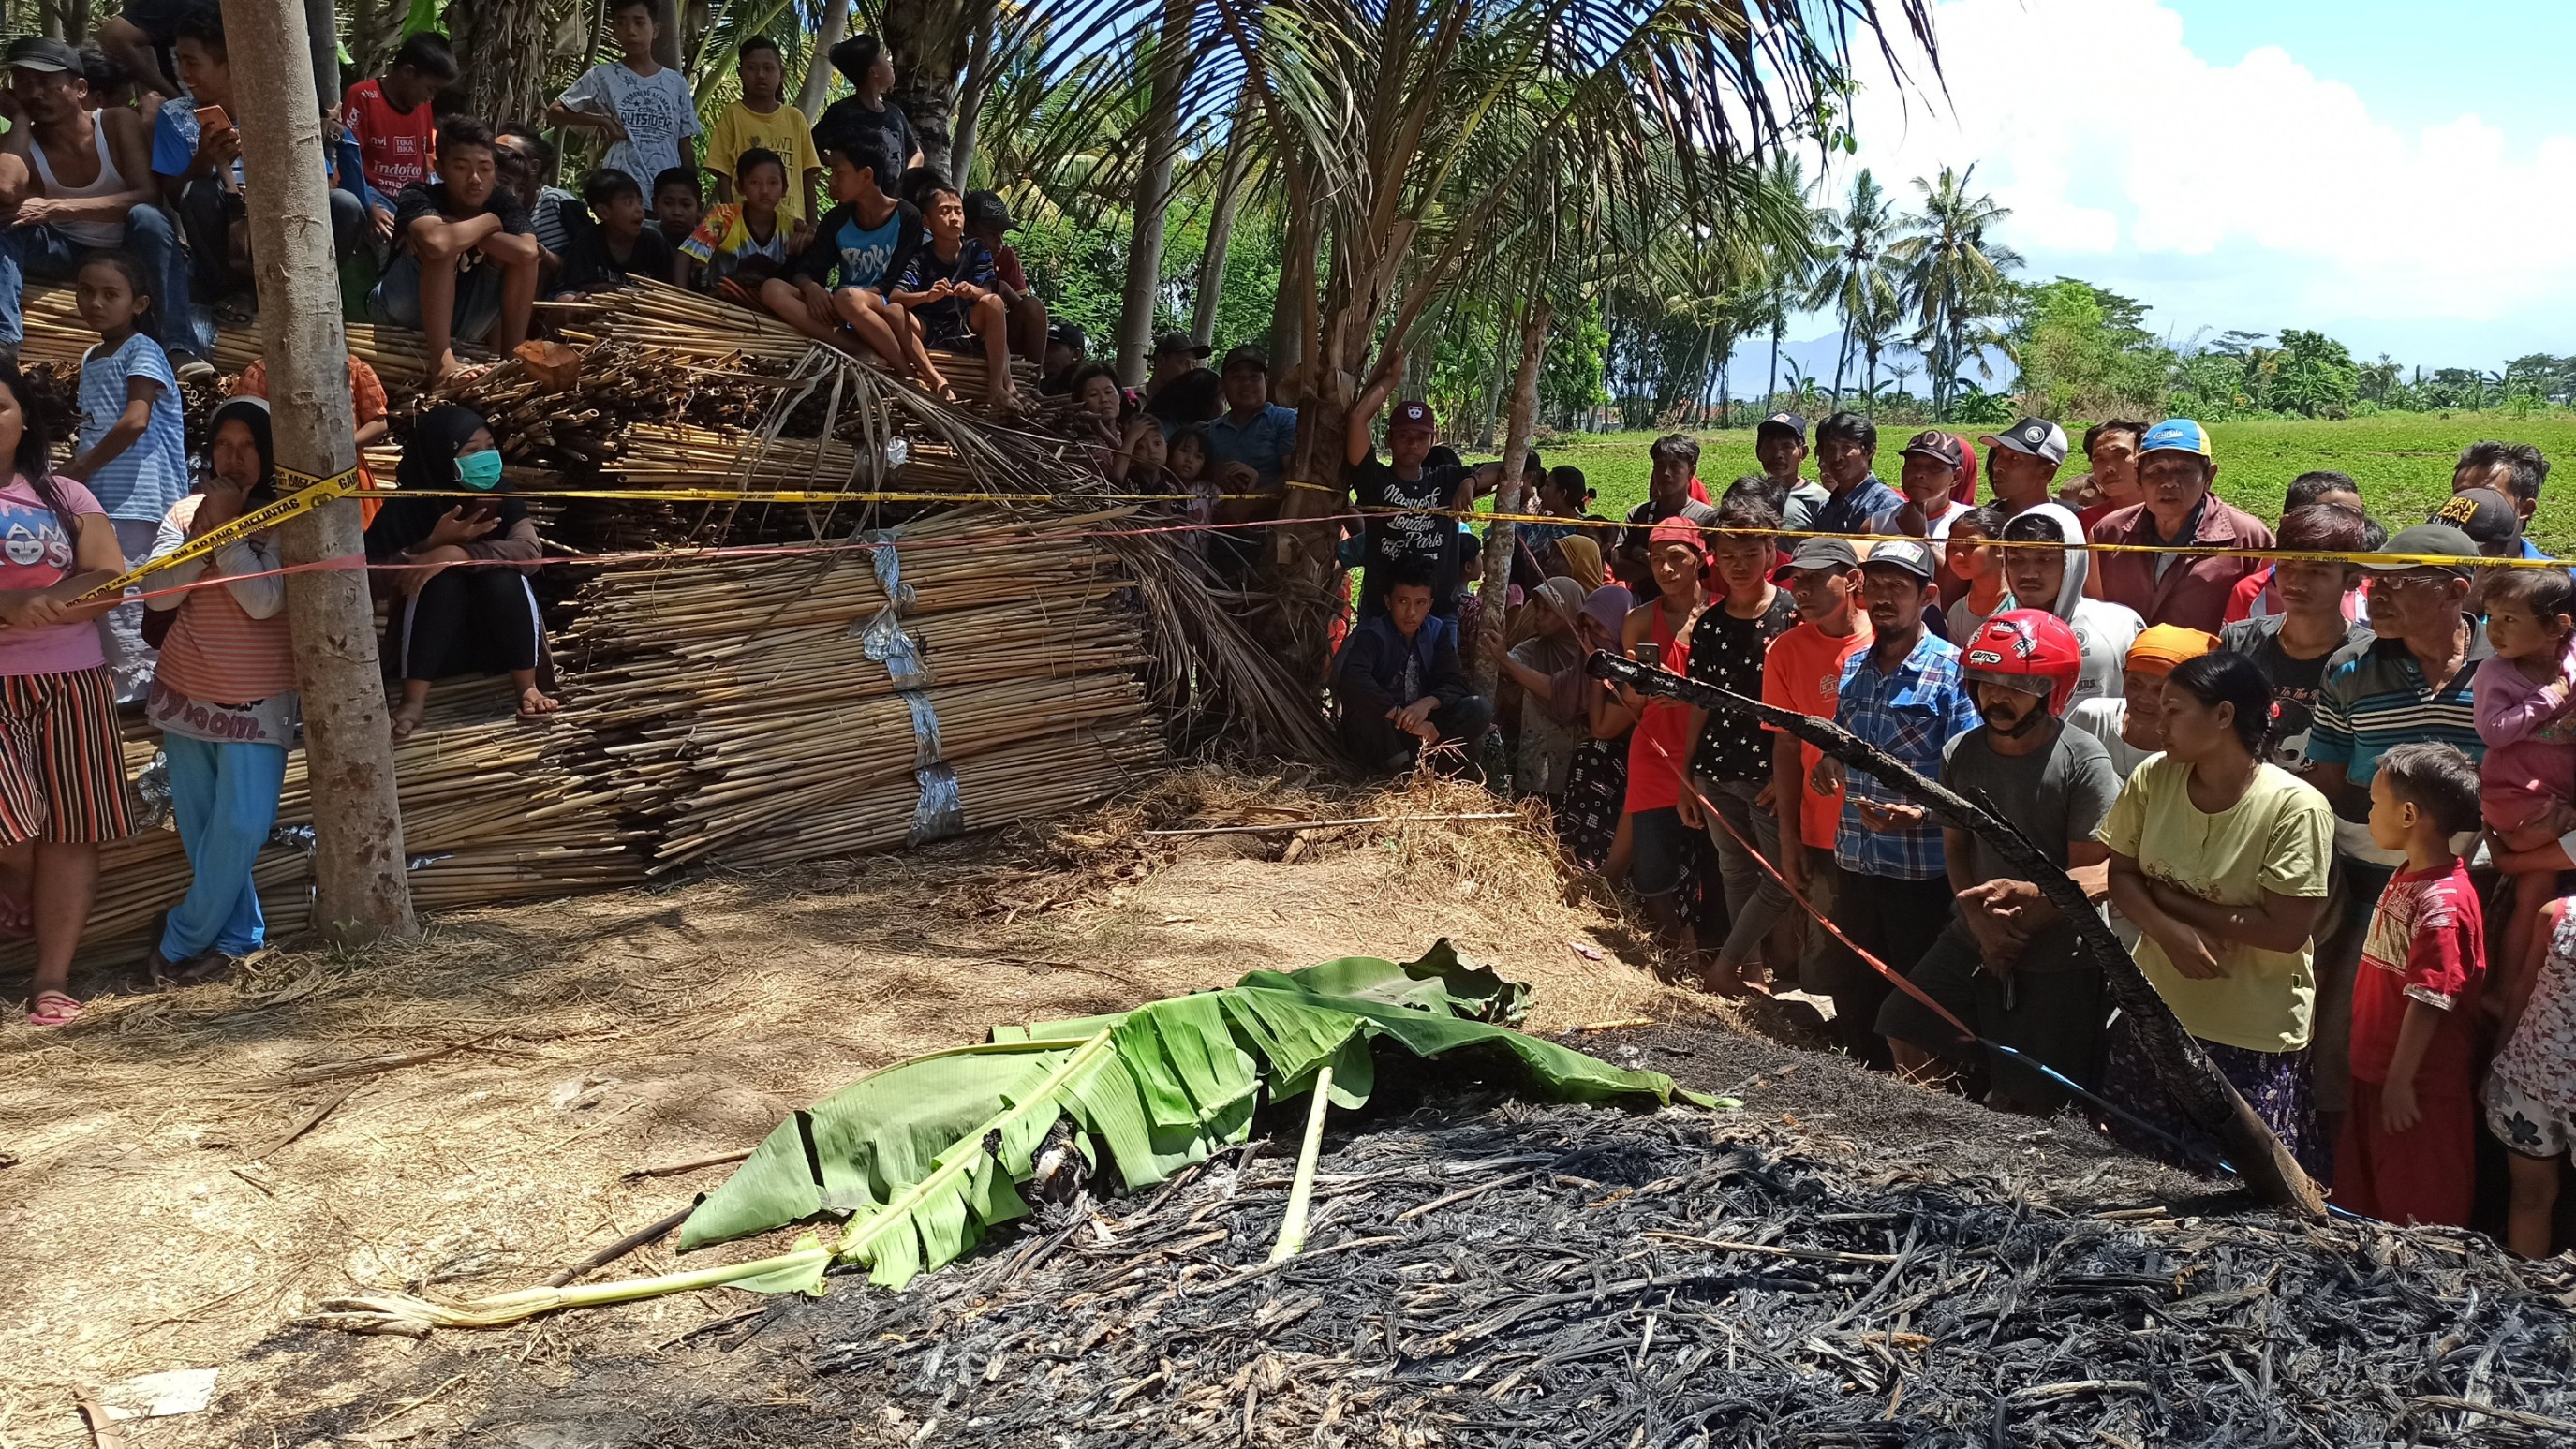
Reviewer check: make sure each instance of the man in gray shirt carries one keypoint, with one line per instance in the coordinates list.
(2009, 965)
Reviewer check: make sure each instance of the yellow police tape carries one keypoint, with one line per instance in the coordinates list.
(313, 494)
(813, 496)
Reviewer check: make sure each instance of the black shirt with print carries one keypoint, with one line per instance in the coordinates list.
(1727, 651)
(1404, 522)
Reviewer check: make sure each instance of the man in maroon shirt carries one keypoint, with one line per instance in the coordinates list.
(2174, 584)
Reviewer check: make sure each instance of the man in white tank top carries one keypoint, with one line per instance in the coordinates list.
(87, 186)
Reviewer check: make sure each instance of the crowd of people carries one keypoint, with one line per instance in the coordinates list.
(2314, 796)
(129, 147)
(2315, 778)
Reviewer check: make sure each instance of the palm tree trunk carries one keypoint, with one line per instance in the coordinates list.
(1501, 535)
(971, 91)
(1777, 324)
(1725, 399)
(1220, 234)
(509, 42)
(1153, 192)
(1842, 355)
(818, 70)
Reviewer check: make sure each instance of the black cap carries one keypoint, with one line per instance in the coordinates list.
(1940, 447)
(1790, 423)
(1067, 334)
(2036, 437)
(1245, 356)
(2486, 516)
(1171, 342)
(986, 209)
(1820, 553)
(41, 52)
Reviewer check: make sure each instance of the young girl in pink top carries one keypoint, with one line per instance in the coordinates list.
(2523, 697)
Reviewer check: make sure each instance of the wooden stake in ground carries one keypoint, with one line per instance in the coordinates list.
(360, 888)
(2180, 1065)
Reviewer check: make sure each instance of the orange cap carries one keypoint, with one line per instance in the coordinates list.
(2158, 649)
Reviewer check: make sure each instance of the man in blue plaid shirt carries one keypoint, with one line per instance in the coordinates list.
(1904, 695)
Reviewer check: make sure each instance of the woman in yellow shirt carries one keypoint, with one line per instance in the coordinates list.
(2220, 860)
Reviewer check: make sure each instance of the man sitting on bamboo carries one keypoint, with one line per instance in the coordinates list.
(1399, 681)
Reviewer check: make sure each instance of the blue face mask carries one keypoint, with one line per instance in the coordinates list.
(480, 471)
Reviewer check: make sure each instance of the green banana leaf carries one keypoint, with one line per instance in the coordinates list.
(925, 1156)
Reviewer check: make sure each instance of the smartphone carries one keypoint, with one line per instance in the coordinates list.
(1649, 655)
(212, 118)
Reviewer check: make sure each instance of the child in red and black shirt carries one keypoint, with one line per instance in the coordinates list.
(2406, 1149)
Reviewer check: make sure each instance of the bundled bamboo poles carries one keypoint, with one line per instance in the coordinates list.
(782, 709)
(55, 333)
(657, 314)
(492, 812)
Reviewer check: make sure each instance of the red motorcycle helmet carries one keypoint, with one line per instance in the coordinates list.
(2031, 650)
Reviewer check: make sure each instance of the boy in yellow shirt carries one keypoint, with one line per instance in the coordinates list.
(762, 121)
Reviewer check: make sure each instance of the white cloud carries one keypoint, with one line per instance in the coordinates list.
(2255, 195)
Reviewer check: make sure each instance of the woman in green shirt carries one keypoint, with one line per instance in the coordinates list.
(2220, 860)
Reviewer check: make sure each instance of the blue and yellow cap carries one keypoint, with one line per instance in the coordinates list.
(2178, 435)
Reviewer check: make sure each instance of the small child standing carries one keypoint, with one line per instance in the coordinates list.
(2523, 697)
(2408, 1142)
(641, 105)
(2531, 1091)
(1186, 459)
(1974, 559)
(133, 451)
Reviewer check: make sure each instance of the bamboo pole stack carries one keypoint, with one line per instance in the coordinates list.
(752, 702)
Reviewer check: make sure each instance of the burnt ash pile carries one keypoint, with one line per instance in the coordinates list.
(1509, 1275)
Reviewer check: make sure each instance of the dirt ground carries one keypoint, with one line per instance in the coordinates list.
(182, 1175)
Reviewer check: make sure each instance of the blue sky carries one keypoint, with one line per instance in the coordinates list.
(2399, 176)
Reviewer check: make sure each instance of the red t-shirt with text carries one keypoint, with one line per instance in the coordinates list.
(395, 149)
(2427, 943)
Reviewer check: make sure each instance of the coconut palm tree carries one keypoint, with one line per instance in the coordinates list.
(1954, 275)
(1854, 278)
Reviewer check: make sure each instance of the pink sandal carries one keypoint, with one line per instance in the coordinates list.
(53, 1008)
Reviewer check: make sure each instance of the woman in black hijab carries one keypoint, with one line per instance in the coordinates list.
(461, 600)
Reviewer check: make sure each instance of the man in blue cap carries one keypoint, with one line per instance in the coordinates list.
(2175, 583)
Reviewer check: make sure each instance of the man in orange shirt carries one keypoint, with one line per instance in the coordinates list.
(1803, 671)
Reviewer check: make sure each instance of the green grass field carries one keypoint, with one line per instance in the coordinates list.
(2402, 462)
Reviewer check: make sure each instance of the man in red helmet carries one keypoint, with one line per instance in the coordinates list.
(2008, 964)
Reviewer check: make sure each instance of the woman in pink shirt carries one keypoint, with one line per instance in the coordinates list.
(62, 769)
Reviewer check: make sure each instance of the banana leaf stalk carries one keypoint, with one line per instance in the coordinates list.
(924, 1157)
(2183, 1069)
(1301, 1193)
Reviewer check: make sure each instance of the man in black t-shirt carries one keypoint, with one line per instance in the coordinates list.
(2293, 647)
(1404, 501)
(1668, 492)
(467, 267)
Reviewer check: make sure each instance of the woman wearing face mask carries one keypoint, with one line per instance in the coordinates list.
(462, 604)
(224, 698)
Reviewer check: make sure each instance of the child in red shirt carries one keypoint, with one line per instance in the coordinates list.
(2406, 1149)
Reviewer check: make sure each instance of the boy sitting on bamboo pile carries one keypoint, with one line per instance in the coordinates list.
(988, 220)
(741, 245)
(838, 287)
(1398, 679)
(612, 242)
(951, 292)
(466, 266)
